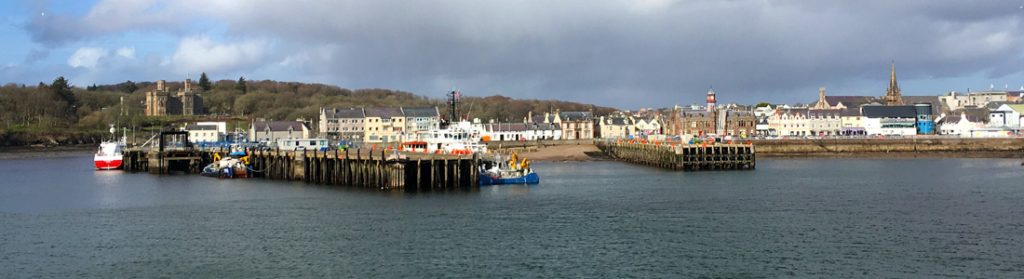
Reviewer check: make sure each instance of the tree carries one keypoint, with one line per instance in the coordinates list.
(204, 82)
(241, 85)
(62, 89)
(763, 104)
(130, 87)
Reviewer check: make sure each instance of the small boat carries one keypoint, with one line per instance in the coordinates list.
(235, 165)
(500, 172)
(110, 154)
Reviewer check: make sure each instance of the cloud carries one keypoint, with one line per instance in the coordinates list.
(200, 53)
(618, 52)
(126, 52)
(86, 57)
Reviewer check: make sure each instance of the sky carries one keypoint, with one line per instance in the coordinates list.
(618, 53)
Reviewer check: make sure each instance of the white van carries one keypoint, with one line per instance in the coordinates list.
(303, 144)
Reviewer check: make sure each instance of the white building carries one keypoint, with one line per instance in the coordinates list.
(890, 120)
(1007, 116)
(959, 125)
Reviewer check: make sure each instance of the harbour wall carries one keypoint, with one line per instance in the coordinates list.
(981, 147)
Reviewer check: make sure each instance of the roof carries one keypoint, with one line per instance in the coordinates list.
(421, 112)
(889, 111)
(384, 112)
(504, 127)
(817, 112)
(850, 101)
(576, 116)
(694, 113)
(201, 127)
(850, 112)
(933, 100)
(546, 126)
(616, 120)
(278, 126)
(1019, 108)
(344, 113)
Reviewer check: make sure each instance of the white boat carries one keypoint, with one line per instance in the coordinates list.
(110, 154)
(459, 138)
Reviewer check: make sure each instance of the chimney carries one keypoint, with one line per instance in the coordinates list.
(529, 117)
(160, 85)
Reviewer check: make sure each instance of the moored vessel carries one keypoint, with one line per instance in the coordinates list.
(110, 153)
(500, 172)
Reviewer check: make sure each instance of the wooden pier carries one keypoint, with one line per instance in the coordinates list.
(377, 169)
(686, 157)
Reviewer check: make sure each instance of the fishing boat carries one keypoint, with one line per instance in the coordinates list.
(459, 138)
(235, 165)
(500, 172)
(110, 153)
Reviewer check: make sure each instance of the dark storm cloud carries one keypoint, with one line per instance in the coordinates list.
(628, 53)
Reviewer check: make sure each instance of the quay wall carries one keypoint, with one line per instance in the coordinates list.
(986, 147)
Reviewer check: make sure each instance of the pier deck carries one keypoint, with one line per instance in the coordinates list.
(687, 157)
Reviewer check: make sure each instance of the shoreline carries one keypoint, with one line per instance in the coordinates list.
(576, 153)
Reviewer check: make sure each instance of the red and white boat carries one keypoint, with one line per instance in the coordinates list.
(109, 156)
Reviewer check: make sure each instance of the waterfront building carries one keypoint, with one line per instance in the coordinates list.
(1009, 116)
(925, 124)
(892, 94)
(200, 132)
(735, 122)
(690, 122)
(162, 102)
(890, 120)
(344, 123)
(824, 122)
(790, 122)
(383, 125)
(955, 101)
(959, 124)
(271, 131)
(521, 131)
(852, 122)
(574, 124)
(420, 119)
(616, 127)
(648, 125)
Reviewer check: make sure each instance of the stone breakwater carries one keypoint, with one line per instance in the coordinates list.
(954, 147)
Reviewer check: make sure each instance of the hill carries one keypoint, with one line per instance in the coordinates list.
(60, 113)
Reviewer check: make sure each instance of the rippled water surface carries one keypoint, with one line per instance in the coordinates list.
(793, 217)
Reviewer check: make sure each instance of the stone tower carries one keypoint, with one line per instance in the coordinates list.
(711, 100)
(892, 95)
(822, 103)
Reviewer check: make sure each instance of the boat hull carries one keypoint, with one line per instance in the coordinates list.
(107, 164)
(531, 178)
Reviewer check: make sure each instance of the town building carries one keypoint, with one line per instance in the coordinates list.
(384, 125)
(521, 131)
(852, 122)
(574, 124)
(790, 122)
(162, 102)
(1009, 116)
(272, 131)
(420, 119)
(616, 127)
(206, 132)
(648, 125)
(961, 124)
(898, 120)
(343, 124)
(824, 122)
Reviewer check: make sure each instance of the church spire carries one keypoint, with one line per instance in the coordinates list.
(892, 94)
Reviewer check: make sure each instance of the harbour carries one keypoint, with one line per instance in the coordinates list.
(934, 217)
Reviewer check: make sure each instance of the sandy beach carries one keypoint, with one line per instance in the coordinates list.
(583, 152)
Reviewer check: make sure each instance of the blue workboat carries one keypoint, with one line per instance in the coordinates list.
(487, 178)
(500, 172)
